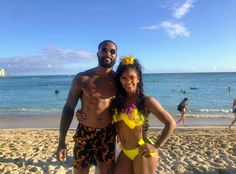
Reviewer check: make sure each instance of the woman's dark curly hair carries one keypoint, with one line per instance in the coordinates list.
(119, 101)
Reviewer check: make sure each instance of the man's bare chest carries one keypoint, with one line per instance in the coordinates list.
(99, 88)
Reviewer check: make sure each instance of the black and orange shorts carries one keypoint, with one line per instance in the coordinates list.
(93, 144)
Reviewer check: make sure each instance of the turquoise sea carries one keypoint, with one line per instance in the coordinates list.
(210, 94)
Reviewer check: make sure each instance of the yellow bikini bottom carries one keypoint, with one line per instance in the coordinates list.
(132, 153)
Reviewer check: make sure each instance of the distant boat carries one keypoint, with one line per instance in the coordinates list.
(2, 73)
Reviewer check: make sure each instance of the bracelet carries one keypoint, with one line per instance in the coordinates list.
(157, 145)
(150, 141)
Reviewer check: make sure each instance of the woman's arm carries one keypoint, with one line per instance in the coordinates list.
(186, 107)
(156, 109)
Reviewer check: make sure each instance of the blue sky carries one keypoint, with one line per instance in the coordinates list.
(39, 37)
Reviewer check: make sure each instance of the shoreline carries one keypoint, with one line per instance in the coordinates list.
(153, 123)
(54, 122)
(189, 150)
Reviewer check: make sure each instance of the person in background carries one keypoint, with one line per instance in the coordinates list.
(130, 109)
(234, 111)
(183, 108)
(95, 135)
(56, 91)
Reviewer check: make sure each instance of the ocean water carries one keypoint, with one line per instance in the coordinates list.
(208, 93)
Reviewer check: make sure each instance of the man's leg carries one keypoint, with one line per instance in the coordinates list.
(83, 154)
(105, 158)
(81, 171)
(104, 168)
(105, 154)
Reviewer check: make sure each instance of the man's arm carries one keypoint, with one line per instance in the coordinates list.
(66, 119)
(68, 112)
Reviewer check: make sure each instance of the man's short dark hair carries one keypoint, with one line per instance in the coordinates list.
(106, 41)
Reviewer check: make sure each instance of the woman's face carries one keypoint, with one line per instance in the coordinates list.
(129, 80)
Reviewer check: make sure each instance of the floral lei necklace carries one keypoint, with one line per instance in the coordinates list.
(129, 110)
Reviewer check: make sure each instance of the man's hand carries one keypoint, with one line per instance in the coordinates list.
(80, 115)
(61, 154)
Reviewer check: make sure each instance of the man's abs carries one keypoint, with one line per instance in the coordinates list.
(97, 114)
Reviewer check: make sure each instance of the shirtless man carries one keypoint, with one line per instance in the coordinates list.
(95, 135)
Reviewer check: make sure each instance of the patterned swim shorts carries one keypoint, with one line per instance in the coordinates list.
(93, 144)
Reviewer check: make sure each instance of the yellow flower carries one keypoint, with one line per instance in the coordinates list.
(127, 60)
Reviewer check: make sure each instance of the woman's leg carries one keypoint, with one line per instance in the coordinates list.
(181, 117)
(123, 165)
(233, 122)
(184, 119)
(144, 165)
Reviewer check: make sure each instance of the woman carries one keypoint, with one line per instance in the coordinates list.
(183, 108)
(234, 111)
(130, 110)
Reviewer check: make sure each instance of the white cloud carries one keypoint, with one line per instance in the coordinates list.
(179, 8)
(151, 27)
(65, 55)
(183, 9)
(52, 60)
(173, 29)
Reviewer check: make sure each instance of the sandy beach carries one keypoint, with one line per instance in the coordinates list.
(190, 150)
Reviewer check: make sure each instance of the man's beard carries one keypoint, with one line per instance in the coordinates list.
(106, 65)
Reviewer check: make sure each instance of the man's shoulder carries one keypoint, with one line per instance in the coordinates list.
(86, 73)
(81, 78)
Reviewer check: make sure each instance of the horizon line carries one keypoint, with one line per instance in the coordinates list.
(146, 73)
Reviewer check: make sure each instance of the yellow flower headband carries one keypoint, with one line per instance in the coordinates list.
(127, 60)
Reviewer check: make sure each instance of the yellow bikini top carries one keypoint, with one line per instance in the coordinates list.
(132, 118)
